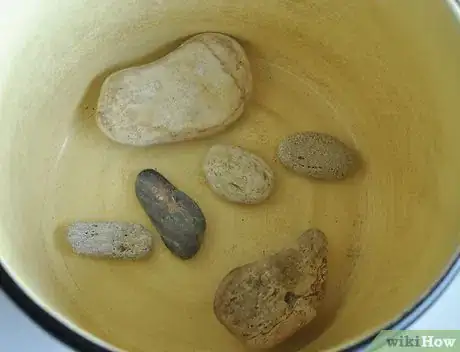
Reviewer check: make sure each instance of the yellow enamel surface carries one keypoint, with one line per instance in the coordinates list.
(383, 76)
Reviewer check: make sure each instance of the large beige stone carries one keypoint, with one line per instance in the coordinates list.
(194, 91)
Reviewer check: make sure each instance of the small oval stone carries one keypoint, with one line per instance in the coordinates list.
(176, 216)
(265, 302)
(238, 175)
(113, 239)
(317, 155)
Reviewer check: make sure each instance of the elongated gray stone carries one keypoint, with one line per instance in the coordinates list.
(122, 240)
(176, 216)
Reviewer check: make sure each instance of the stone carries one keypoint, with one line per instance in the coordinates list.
(238, 175)
(178, 218)
(194, 91)
(122, 240)
(317, 155)
(265, 302)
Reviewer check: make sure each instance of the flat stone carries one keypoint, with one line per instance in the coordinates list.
(194, 91)
(113, 239)
(265, 302)
(176, 216)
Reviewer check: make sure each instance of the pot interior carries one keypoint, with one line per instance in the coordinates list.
(383, 76)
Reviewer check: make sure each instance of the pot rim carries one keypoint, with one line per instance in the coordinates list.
(76, 338)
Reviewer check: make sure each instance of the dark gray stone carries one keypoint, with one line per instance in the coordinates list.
(176, 216)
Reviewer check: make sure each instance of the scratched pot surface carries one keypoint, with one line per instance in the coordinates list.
(361, 71)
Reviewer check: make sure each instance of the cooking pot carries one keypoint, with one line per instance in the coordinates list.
(382, 76)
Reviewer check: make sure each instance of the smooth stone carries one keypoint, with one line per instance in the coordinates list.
(113, 239)
(194, 91)
(176, 216)
(238, 175)
(265, 302)
(317, 155)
